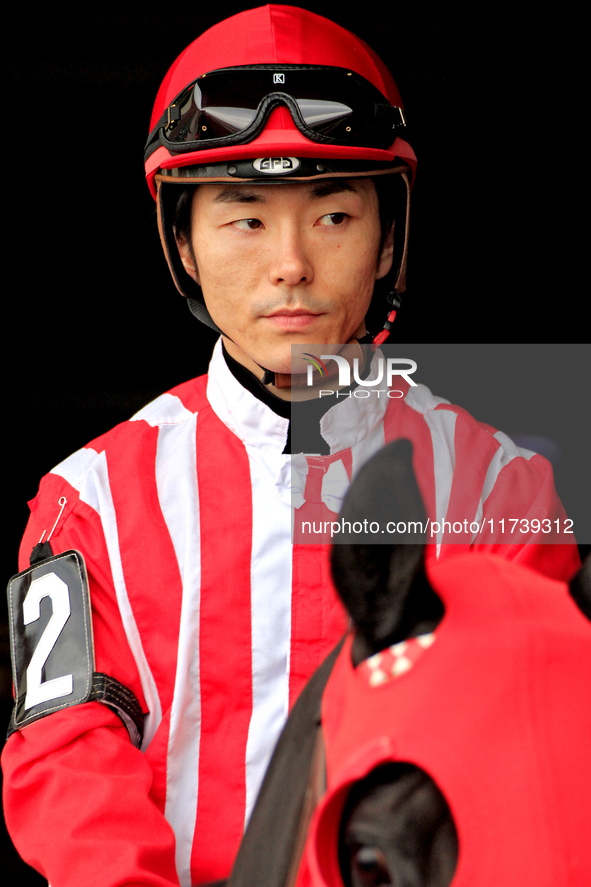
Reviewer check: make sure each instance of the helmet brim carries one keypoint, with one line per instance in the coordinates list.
(275, 141)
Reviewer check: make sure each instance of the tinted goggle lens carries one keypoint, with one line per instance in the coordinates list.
(210, 120)
(231, 105)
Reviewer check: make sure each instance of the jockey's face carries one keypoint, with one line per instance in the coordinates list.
(286, 264)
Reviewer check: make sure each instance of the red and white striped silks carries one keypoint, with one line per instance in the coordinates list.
(204, 608)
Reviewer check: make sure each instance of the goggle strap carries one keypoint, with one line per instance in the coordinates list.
(390, 113)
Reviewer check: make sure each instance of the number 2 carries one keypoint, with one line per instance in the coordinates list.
(55, 588)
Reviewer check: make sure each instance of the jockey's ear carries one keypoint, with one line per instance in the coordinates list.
(580, 588)
(384, 586)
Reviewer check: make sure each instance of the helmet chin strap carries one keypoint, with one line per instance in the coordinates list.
(395, 300)
(351, 351)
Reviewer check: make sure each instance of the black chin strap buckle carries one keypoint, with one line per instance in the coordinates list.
(395, 300)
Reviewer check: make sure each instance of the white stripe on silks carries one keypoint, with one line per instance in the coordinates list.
(270, 616)
(74, 468)
(176, 480)
(442, 425)
(356, 418)
(363, 451)
(507, 451)
(297, 479)
(420, 399)
(168, 409)
(335, 484)
(87, 471)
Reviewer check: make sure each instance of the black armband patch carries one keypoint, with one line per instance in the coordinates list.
(50, 637)
(122, 701)
(52, 646)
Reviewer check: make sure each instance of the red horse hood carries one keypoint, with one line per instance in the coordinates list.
(497, 711)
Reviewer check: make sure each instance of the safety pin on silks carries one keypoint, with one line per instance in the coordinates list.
(61, 501)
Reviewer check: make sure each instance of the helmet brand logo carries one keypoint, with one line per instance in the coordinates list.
(278, 78)
(276, 165)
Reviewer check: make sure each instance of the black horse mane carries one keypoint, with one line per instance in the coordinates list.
(384, 586)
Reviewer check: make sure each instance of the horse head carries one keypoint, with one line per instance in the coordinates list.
(454, 719)
(457, 714)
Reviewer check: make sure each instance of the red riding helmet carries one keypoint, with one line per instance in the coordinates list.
(274, 94)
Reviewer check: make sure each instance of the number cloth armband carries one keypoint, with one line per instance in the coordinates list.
(52, 647)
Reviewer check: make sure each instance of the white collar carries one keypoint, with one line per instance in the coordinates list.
(248, 417)
(347, 423)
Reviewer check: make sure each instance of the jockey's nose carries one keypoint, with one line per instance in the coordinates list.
(290, 263)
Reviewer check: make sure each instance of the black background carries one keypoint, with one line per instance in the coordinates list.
(93, 326)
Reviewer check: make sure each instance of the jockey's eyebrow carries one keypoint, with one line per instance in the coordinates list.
(328, 187)
(317, 191)
(238, 195)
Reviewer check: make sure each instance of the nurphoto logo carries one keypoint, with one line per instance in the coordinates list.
(387, 368)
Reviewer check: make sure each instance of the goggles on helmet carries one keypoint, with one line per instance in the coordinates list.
(230, 106)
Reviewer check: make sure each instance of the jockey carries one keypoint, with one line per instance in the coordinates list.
(183, 620)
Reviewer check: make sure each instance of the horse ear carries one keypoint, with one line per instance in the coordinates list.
(383, 585)
(580, 588)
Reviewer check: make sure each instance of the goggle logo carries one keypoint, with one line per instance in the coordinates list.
(278, 78)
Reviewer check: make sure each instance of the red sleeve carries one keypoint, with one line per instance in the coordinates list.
(77, 803)
(559, 562)
(77, 794)
(519, 515)
(524, 520)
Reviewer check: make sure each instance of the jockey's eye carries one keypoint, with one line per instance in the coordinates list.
(331, 219)
(369, 867)
(248, 224)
